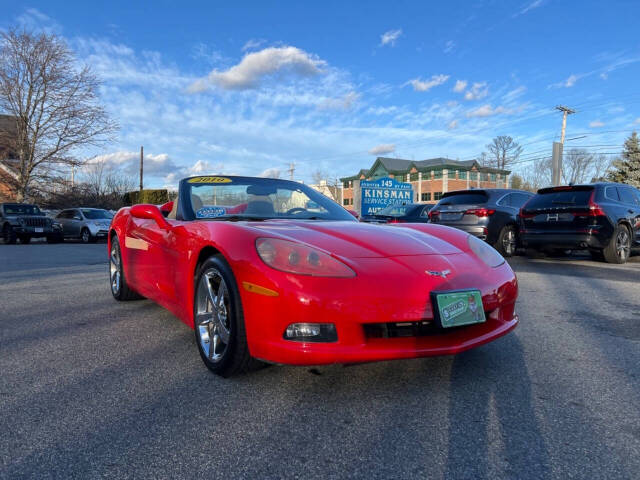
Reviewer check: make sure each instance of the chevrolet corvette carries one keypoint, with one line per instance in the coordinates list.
(271, 270)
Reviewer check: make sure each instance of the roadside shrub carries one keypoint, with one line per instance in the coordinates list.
(154, 196)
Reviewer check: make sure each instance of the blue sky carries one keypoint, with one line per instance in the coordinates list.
(249, 87)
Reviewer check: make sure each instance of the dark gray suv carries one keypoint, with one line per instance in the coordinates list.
(489, 214)
(24, 221)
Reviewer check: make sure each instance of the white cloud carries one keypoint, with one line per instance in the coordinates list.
(604, 75)
(529, 6)
(383, 149)
(449, 46)
(477, 91)
(569, 82)
(345, 102)
(460, 86)
(487, 110)
(270, 173)
(452, 124)
(390, 37)
(637, 121)
(253, 43)
(34, 20)
(425, 85)
(255, 66)
(596, 124)
(514, 94)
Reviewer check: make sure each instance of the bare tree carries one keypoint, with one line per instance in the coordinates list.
(577, 165)
(318, 176)
(503, 151)
(601, 166)
(538, 174)
(54, 103)
(103, 183)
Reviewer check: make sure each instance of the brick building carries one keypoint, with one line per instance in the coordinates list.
(429, 178)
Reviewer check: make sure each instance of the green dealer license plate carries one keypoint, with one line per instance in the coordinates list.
(462, 307)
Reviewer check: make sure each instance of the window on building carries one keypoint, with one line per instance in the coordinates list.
(425, 197)
(492, 177)
(473, 175)
(437, 174)
(437, 195)
(413, 177)
(346, 184)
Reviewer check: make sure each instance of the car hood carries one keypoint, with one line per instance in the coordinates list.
(357, 240)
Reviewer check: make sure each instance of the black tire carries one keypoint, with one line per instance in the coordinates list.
(619, 248)
(507, 243)
(8, 235)
(86, 237)
(24, 239)
(235, 357)
(117, 279)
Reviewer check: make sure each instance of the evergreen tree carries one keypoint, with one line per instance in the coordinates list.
(627, 168)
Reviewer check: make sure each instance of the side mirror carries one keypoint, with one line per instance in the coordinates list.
(166, 208)
(150, 212)
(354, 213)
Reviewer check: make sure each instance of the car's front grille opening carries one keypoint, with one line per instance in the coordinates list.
(409, 329)
(36, 222)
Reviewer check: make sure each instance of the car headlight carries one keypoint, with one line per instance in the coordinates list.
(57, 225)
(485, 252)
(293, 257)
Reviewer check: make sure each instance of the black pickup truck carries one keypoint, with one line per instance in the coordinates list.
(24, 221)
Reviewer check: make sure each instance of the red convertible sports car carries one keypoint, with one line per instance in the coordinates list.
(271, 270)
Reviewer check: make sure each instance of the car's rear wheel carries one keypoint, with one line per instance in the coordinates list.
(24, 239)
(8, 235)
(507, 241)
(219, 321)
(119, 287)
(619, 248)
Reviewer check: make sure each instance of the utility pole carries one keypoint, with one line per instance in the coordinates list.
(292, 168)
(558, 146)
(141, 169)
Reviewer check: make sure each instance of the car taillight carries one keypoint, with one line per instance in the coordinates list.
(480, 212)
(297, 258)
(434, 213)
(595, 210)
(523, 214)
(397, 220)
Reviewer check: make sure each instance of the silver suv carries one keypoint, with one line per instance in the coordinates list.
(87, 224)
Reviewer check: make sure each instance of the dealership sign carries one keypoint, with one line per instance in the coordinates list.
(377, 194)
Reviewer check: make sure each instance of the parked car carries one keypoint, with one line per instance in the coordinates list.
(257, 276)
(24, 221)
(87, 224)
(603, 218)
(410, 213)
(489, 214)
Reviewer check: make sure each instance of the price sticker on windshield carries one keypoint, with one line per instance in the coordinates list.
(209, 180)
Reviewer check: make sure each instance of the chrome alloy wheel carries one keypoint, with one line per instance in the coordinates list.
(114, 268)
(509, 242)
(85, 236)
(212, 314)
(623, 244)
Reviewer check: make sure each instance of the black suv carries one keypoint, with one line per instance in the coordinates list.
(24, 221)
(489, 214)
(603, 218)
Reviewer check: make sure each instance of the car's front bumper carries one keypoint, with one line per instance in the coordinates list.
(592, 239)
(352, 305)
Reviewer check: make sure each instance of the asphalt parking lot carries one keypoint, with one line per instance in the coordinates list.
(92, 388)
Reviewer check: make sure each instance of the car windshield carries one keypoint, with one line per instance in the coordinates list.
(22, 210)
(237, 198)
(394, 210)
(95, 214)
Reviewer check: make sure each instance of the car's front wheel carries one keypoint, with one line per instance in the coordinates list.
(119, 287)
(86, 236)
(619, 248)
(24, 239)
(507, 241)
(218, 319)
